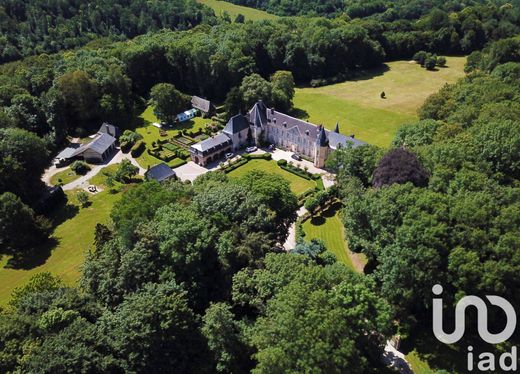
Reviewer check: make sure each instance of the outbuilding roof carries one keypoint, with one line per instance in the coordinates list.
(201, 104)
(107, 128)
(98, 145)
(160, 172)
(212, 144)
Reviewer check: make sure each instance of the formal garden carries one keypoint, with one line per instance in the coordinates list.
(154, 144)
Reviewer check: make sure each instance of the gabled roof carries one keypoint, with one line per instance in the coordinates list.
(236, 124)
(98, 145)
(213, 144)
(160, 172)
(201, 104)
(339, 140)
(258, 115)
(107, 128)
(285, 121)
(68, 152)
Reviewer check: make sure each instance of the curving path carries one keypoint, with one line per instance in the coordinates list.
(83, 181)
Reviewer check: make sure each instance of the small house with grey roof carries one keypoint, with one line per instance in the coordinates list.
(160, 173)
(206, 108)
(98, 150)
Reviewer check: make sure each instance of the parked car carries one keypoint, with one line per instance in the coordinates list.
(229, 156)
(270, 148)
(251, 149)
(296, 156)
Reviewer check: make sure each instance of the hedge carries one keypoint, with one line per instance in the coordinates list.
(177, 162)
(301, 173)
(232, 167)
(263, 156)
(138, 149)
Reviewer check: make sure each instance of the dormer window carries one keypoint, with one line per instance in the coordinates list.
(285, 124)
(307, 132)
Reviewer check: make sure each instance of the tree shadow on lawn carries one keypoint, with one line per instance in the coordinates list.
(63, 213)
(366, 75)
(438, 355)
(33, 258)
(299, 113)
(39, 255)
(318, 221)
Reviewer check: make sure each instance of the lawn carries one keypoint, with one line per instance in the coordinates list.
(418, 366)
(100, 178)
(152, 134)
(329, 228)
(298, 184)
(219, 7)
(72, 237)
(64, 177)
(357, 104)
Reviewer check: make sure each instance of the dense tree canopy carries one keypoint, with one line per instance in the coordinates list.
(30, 27)
(193, 276)
(462, 230)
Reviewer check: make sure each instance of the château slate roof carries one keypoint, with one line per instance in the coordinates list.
(160, 172)
(322, 140)
(257, 115)
(272, 116)
(201, 104)
(212, 144)
(236, 124)
(339, 140)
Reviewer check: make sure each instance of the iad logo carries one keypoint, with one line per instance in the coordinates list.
(486, 360)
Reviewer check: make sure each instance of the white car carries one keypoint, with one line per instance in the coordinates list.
(251, 149)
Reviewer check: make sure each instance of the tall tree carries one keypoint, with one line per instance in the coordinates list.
(167, 102)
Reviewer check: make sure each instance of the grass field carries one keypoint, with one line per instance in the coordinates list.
(357, 104)
(418, 366)
(64, 177)
(219, 7)
(72, 237)
(328, 227)
(298, 184)
(152, 134)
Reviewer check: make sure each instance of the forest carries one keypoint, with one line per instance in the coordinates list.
(376, 9)
(198, 271)
(34, 27)
(197, 268)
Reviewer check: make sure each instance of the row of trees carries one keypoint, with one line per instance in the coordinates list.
(387, 10)
(444, 210)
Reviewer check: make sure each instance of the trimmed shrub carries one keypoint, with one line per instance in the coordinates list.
(238, 164)
(282, 162)
(138, 149)
(80, 167)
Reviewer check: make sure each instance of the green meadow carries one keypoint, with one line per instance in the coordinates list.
(357, 104)
(219, 7)
(65, 252)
